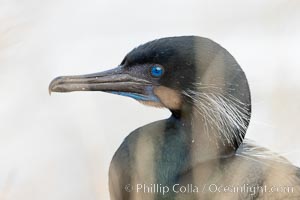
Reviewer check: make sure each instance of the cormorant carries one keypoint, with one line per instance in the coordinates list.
(200, 151)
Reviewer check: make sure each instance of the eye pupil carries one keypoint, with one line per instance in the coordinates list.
(156, 71)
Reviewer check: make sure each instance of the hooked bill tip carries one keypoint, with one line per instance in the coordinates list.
(54, 83)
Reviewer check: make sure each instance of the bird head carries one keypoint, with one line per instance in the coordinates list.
(187, 74)
(154, 73)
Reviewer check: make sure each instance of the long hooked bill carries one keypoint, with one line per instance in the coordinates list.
(112, 81)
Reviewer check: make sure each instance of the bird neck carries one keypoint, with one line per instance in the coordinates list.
(206, 141)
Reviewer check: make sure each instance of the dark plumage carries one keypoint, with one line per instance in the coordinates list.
(201, 146)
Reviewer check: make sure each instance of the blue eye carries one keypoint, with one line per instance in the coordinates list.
(156, 71)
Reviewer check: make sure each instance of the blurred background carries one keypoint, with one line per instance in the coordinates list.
(59, 147)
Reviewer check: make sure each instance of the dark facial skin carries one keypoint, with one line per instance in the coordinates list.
(174, 55)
